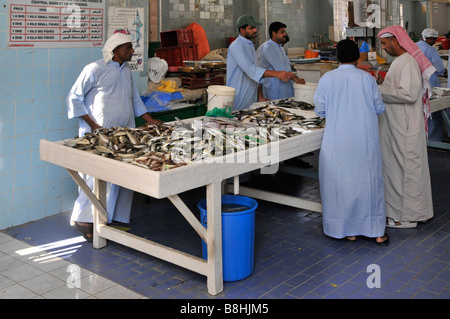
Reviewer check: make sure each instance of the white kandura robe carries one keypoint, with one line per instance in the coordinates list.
(403, 143)
(107, 93)
(350, 176)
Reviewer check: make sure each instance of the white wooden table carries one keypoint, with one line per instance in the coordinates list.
(439, 105)
(171, 183)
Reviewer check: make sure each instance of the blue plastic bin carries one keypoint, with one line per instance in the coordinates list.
(238, 236)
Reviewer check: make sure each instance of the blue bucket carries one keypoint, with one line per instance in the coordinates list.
(238, 235)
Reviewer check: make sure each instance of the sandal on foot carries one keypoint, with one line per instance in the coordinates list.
(392, 223)
(350, 239)
(384, 242)
(85, 230)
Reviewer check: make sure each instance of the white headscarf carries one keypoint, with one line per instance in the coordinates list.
(429, 33)
(113, 42)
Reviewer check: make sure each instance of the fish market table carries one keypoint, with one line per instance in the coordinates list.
(168, 184)
(439, 105)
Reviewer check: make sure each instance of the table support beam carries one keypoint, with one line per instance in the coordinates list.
(214, 237)
(278, 198)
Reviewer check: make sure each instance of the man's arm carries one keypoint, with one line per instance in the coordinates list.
(150, 120)
(91, 122)
(282, 75)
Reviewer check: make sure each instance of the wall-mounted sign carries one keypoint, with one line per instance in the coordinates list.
(55, 23)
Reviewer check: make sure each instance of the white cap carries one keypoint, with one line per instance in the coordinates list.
(386, 35)
(429, 33)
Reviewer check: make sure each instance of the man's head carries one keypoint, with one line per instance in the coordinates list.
(118, 48)
(278, 33)
(247, 26)
(391, 45)
(123, 52)
(347, 51)
(430, 36)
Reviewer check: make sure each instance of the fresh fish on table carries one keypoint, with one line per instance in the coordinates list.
(290, 103)
(167, 146)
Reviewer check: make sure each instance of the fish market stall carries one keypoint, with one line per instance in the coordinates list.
(439, 104)
(139, 159)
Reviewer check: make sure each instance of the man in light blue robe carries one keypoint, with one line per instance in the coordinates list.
(243, 72)
(350, 161)
(429, 37)
(104, 95)
(272, 56)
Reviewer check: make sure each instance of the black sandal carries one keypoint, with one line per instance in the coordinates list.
(85, 230)
(384, 242)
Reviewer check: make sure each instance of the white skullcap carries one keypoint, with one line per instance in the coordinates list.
(113, 42)
(429, 33)
(386, 35)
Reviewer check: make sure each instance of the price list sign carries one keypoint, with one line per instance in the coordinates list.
(56, 24)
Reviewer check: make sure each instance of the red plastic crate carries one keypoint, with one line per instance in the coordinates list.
(175, 56)
(176, 38)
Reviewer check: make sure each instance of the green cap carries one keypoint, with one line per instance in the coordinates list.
(247, 19)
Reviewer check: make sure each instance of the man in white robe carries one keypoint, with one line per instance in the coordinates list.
(104, 95)
(351, 181)
(402, 134)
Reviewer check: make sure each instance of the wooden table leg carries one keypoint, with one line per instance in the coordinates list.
(100, 216)
(214, 238)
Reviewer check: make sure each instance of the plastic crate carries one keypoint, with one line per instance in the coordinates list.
(175, 56)
(175, 38)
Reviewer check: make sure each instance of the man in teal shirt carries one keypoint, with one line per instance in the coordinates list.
(243, 72)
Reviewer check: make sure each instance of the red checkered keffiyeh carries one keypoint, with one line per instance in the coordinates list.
(425, 65)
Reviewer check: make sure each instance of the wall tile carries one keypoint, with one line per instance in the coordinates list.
(7, 129)
(22, 144)
(7, 112)
(20, 215)
(21, 197)
(6, 168)
(21, 182)
(23, 127)
(5, 202)
(22, 162)
(25, 91)
(7, 146)
(37, 211)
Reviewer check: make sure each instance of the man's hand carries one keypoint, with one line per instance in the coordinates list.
(378, 78)
(296, 79)
(92, 124)
(284, 75)
(150, 120)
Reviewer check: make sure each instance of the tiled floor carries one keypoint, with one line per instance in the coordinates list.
(293, 258)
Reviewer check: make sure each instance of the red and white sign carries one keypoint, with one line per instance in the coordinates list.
(56, 24)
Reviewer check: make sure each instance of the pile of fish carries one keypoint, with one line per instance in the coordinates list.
(270, 116)
(139, 146)
(290, 103)
(166, 146)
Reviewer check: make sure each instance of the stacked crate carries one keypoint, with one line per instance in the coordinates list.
(177, 46)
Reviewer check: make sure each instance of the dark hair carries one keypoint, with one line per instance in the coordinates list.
(275, 27)
(242, 27)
